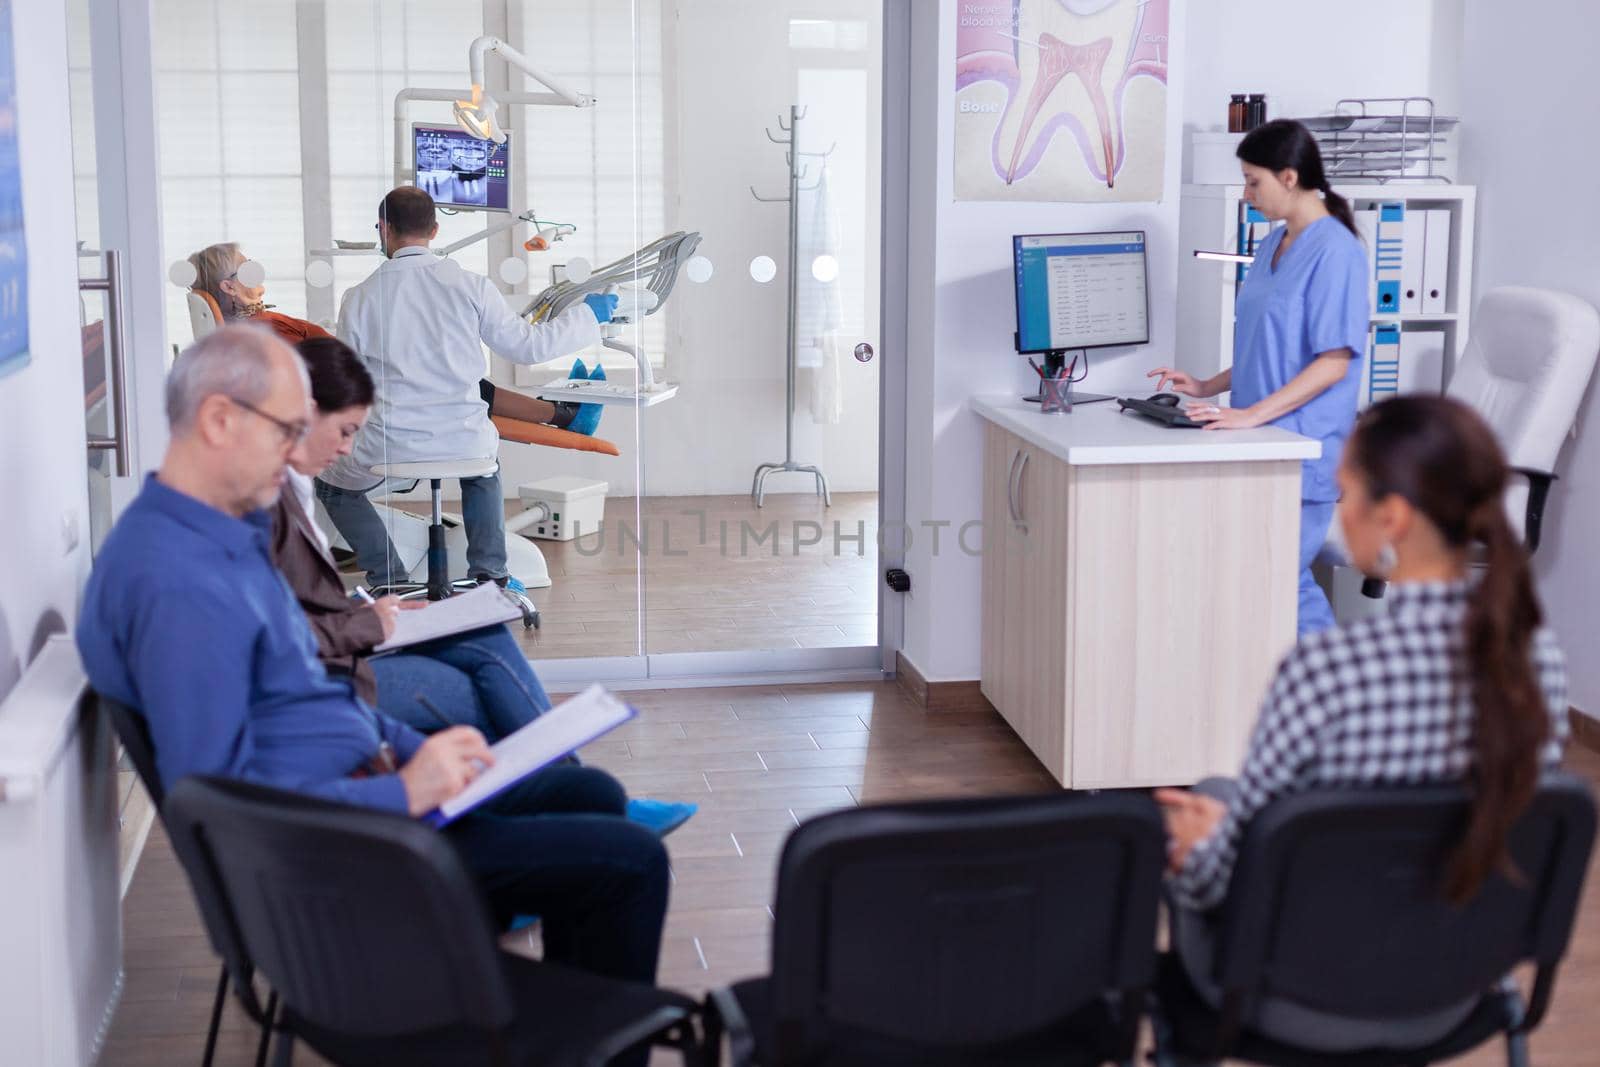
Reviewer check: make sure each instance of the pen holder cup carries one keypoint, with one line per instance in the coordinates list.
(1055, 395)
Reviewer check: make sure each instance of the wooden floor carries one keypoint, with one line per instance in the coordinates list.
(713, 574)
(757, 761)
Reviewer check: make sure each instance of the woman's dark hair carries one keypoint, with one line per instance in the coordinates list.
(338, 379)
(1440, 456)
(1284, 144)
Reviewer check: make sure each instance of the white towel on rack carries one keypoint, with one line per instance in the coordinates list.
(818, 316)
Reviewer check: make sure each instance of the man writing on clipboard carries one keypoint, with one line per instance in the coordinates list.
(187, 621)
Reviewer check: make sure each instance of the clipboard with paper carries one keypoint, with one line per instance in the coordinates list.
(487, 605)
(563, 729)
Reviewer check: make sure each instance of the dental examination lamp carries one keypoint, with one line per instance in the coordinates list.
(477, 115)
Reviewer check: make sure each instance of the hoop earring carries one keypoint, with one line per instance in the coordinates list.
(1387, 559)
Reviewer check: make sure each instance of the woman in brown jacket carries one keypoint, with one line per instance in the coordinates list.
(479, 679)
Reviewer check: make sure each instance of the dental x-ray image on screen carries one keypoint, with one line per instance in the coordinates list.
(459, 171)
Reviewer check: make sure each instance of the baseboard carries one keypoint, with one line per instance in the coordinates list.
(1585, 729)
(938, 696)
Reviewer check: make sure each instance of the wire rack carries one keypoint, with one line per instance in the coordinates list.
(1383, 138)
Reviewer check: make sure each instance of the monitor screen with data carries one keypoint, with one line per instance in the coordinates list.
(1080, 290)
(461, 172)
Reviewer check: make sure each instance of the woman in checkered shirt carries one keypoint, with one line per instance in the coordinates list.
(1458, 680)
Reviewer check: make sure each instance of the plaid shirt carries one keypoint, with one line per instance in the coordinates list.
(1376, 702)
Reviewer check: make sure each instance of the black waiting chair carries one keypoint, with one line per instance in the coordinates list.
(1336, 904)
(1016, 931)
(134, 733)
(381, 947)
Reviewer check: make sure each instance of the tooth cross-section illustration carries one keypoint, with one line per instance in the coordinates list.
(1071, 57)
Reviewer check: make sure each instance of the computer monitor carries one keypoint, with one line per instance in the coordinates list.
(459, 171)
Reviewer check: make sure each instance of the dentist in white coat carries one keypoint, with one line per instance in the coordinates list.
(419, 323)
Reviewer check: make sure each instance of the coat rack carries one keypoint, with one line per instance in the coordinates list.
(797, 173)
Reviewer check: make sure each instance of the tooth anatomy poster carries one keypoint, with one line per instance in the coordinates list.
(13, 249)
(1061, 100)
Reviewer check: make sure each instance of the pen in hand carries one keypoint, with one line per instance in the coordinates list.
(366, 597)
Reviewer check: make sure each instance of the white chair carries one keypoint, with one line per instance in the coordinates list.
(1525, 369)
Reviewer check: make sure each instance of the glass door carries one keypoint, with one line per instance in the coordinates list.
(761, 479)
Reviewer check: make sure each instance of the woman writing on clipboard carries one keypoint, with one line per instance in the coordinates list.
(1300, 329)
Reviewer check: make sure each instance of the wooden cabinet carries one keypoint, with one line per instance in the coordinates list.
(1133, 613)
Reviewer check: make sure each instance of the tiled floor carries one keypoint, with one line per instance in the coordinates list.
(757, 761)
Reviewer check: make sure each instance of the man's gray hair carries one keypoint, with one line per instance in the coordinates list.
(235, 361)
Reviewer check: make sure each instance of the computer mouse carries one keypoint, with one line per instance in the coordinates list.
(1168, 399)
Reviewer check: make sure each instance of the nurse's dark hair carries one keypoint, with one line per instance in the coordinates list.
(1443, 459)
(1284, 144)
(338, 378)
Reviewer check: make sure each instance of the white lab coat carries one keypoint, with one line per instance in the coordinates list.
(417, 323)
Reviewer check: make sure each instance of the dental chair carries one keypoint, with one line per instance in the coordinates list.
(1525, 369)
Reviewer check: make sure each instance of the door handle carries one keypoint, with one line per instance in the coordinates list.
(1010, 485)
(1019, 463)
(116, 351)
(863, 353)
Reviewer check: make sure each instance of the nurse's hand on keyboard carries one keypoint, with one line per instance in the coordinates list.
(1175, 380)
(604, 305)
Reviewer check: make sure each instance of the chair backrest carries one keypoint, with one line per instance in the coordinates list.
(366, 923)
(1525, 367)
(204, 314)
(1336, 901)
(134, 733)
(964, 923)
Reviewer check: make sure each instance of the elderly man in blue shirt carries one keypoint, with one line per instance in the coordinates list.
(186, 620)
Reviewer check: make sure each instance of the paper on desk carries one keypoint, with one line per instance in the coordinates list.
(484, 606)
(565, 728)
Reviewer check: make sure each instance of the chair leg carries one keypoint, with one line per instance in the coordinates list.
(216, 1017)
(267, 1025)
(283, 1056)
(1517, 1049)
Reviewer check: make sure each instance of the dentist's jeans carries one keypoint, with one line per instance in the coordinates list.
(358, 522)
(479, 678)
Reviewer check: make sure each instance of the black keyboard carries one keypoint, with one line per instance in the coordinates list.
(1168, 415)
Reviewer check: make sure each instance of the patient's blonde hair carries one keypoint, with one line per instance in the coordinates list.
(214, 265)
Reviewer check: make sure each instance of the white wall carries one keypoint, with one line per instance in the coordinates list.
(960, 337)
(1527, 143)
(42, 480)
(1306, 56)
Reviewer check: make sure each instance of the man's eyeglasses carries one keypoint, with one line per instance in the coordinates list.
(293, 432)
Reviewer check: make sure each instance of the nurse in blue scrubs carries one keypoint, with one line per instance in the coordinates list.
(1300, 329)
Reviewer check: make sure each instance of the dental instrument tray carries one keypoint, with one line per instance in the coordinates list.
(577, 390)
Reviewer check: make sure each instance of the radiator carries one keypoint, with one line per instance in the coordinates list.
(60, 912)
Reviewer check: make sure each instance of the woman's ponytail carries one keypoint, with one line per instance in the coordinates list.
(1339, 208)
(1437, 454)
(1510, 722)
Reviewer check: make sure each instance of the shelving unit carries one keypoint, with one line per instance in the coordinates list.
(1212, 217)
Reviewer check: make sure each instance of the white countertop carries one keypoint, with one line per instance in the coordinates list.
(1101, 434)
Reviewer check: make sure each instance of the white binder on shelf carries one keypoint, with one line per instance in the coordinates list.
(1435, 261)
(1383, 364)
(1421, 361)
(1412, 235)
(1388, 250)
(1367, 230)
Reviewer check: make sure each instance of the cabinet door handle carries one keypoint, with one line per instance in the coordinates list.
(1010, 485)
(1016, 493)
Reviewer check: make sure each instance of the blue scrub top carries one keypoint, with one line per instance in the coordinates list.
(1315, 301)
